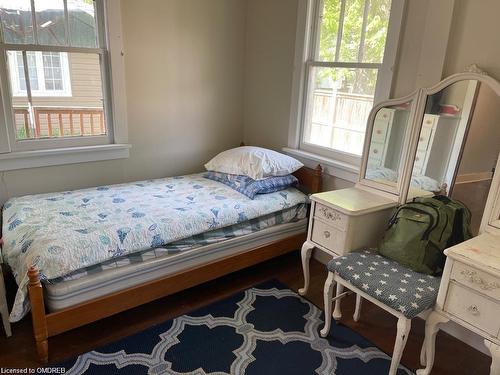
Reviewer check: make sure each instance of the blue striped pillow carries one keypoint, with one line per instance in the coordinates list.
(249, 187)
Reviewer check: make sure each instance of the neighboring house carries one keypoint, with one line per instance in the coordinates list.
(65, 87)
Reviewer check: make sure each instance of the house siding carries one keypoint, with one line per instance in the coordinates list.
(86, 94)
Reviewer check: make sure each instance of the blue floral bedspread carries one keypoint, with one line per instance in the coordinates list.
(63, 232)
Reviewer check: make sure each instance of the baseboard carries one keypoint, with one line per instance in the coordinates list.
(451, 328)
(473, 177)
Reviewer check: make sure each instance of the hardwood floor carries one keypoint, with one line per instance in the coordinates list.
(452, 356)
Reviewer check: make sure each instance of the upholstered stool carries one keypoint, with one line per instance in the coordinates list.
(400, 291)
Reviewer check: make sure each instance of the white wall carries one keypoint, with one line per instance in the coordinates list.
(184, 79)
(474, 37)
(270, 48)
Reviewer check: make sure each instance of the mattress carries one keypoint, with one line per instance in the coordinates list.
(61, 293)
(61, 233)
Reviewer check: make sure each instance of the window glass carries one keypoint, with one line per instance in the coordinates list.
(340, 92)
(17, 23)
(50, 22)
(82, 23)
(341, 100)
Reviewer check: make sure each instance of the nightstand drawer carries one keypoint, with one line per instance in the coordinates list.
(473, 308)
(331, 216)
(478, 280)
(328, 236)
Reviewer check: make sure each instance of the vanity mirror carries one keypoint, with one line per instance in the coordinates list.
(458, 145)
(440, 140)
(389, 130)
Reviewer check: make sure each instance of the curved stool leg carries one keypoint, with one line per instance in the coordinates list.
(328, 294)
(431, 329)
(404, 326)
(357, 311)
(337, 314)
(305, 254)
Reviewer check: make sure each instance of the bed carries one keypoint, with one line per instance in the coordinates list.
(71, 251)
(421, 182)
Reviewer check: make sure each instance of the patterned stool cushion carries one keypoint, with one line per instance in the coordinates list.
(389, 282)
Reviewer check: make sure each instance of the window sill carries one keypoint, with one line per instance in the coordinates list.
(71, 155)
(336, 168)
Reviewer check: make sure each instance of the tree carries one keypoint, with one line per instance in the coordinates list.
(361, 81)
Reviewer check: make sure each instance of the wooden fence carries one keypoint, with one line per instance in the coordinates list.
(59, 122)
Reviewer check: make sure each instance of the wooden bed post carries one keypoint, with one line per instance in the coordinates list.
(316, 183)
(38, 314)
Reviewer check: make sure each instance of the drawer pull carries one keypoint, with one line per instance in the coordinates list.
(330, 215)
(473, 310)
(326, 234)
(473, 278)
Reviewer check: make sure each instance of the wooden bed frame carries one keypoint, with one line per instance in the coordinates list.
(46, 324)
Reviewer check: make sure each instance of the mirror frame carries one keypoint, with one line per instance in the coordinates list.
(423, 95)
(491, 217)
(398, 189)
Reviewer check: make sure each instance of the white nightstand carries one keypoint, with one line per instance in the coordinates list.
(469, 295)
(342, 221)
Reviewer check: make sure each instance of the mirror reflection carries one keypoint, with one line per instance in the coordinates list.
(388, 133)
(459, 145)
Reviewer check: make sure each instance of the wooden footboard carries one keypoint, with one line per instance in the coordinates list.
(46, 325)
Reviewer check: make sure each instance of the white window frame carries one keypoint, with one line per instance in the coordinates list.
(19, 154)
(308, 28)
(40, 68)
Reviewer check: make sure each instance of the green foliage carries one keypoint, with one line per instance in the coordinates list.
(360, 81)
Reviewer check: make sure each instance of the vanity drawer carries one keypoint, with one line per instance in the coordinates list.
(476, 279)
(379, 131)
(376, 150)
(419, 159)
(330, 216)
(425, 137)
(328, 236)
(473, 308)
(429, 121)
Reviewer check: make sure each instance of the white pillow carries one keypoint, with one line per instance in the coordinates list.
(254, 162)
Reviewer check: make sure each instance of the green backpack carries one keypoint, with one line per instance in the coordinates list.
(419, 231)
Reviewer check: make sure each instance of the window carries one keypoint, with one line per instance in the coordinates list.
(48, 72)
(347, 68)
(56, 58)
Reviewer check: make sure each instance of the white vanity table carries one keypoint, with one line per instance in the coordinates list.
(427, 152)
(469, 294)
(342, 221)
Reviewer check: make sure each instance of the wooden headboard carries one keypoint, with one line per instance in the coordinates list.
(310, 180)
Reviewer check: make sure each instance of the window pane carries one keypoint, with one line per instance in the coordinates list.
(363, 25)
(81, 113)
(329, 30)
(339, 104)
(351, 33)
(82, 23)
(31, 68)
(52, 71)
(50, 21)
(20, 104)
(376, 31)
(17, 26)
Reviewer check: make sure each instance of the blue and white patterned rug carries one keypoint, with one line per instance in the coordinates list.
(267, 329)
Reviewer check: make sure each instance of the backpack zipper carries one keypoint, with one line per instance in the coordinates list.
(430, 227)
